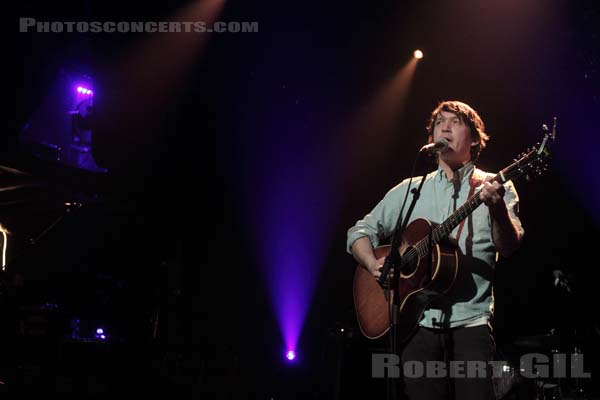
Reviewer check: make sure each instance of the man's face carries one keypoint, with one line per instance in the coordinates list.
(449, 125)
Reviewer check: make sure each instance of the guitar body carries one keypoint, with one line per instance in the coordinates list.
(419, 283)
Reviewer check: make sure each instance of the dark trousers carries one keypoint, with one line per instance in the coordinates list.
(429, 347)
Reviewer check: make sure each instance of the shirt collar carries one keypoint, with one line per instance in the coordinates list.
(462, 174)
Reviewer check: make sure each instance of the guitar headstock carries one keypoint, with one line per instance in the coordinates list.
(533, 162)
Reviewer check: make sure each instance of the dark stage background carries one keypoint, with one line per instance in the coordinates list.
(168, 250)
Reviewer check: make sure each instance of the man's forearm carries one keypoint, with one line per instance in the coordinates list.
(505, 234)
(362, 250)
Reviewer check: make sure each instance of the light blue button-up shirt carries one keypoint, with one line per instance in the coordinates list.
(470, 299)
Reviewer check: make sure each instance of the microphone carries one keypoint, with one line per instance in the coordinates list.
(436, 147)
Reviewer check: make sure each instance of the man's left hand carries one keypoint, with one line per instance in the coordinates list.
(492, 194)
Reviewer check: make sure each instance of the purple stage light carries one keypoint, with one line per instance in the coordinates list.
(102, 337)
(289, 209)
(294, 258)
(60, 129)
(291, 201)
(290, 355)
(84, 91)
(99, 331)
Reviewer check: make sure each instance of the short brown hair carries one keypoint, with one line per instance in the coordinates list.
(469, 117)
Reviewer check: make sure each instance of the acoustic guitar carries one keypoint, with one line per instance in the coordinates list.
(429, 264)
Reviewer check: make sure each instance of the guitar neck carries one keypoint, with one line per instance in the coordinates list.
(443, 230)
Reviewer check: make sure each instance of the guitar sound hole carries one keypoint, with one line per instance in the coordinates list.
(409, 261)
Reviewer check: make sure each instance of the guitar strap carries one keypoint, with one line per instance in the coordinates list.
(475, 180)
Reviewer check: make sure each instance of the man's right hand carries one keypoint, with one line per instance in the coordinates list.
(375, 268)
(362, 251)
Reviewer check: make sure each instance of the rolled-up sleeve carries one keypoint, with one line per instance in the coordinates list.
(511, 198)
(380, 222)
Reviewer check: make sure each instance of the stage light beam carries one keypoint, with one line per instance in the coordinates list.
(290, 355)
(418, 54)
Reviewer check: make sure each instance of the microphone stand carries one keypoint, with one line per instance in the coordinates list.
(390, 281)
(572, 298)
